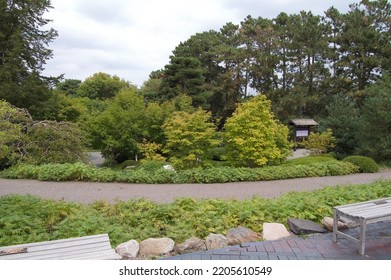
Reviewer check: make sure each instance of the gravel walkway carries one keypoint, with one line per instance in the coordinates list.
(86, 192)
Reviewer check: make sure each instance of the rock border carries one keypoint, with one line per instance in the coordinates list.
(152, 248)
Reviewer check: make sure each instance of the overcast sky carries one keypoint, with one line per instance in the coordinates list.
(132, 38)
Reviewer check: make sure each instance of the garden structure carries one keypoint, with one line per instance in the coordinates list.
(301, 129)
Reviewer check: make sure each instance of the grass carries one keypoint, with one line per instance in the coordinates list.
(25, 219)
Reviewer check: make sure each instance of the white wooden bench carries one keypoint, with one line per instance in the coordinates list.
(94, 247)
(363, 213)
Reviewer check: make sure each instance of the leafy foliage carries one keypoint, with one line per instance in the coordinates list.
(101, 86)
(190, 136)
(119, 128)
(319, 142)
(253, 137)
(150, 151)
(54, 142)
(12, 123)
(26, 219)
(365, 164)
(23, 140)
(152, 173)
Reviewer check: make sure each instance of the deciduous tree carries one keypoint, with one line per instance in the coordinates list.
(101, 86)
(190, 138)
(254, 137)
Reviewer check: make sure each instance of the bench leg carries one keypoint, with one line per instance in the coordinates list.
(335, 225)
(363, 226)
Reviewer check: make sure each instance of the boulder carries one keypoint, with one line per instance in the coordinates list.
(216, 241)
(328, 223)
(274, 231)
(191, 245)
(303, 226)
(128, 250)
(241, 235)
(153, 247)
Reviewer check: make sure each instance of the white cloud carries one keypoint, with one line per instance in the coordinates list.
(133, 38)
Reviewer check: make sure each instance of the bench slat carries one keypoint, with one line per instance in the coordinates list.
(370, 212)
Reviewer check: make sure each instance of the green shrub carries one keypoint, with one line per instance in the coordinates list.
(151, 165)
(309, 160)
(150, 175)
(129, 162)
(365, 164)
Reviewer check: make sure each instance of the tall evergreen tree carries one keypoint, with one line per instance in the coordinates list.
(184, 75)
(23, 53)
(364, 43)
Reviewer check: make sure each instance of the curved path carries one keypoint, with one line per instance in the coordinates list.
(87, 192)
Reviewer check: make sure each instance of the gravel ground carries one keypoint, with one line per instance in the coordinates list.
(87, 192)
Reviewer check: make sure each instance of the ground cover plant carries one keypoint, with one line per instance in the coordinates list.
(84, 172)
(30, 219)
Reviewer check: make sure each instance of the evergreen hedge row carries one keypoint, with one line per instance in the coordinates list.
(83, 172)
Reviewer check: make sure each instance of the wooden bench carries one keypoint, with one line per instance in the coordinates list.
(363, 213)
(94, 247)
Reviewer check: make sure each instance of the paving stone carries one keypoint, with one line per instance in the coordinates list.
(314, 247)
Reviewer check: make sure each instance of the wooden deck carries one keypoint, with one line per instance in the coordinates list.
(94, 247)
(363, 213)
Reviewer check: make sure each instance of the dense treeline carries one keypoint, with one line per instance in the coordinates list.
(299, 61)
(333, 68)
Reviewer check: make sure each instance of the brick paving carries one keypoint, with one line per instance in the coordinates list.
(310, 247)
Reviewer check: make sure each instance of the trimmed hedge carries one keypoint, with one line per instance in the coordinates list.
(364, 164)
(83, 172)
(309, 160)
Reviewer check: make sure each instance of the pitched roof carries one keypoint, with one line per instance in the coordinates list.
(303, 122)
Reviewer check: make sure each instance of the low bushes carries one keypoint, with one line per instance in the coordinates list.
(310, 160)
(152, 175)
(27, 219)
(365, 164)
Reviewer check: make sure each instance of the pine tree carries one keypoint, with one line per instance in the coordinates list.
(23, 53)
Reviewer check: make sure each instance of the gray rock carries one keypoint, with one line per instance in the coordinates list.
(216, 241)
(303, 226)
(274, 231)
(153, 247)
(128, 250)
(241, 235)
(191, 245)
(328, 223)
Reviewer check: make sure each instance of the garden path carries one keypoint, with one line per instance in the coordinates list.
(88, 192)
